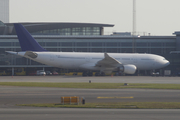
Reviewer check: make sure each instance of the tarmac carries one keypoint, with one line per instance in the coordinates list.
(10, 96)
(99, 79)
(87, 114)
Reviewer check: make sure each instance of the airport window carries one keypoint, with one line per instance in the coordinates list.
(141, 50)
(51, 49)
(126, 50)
(66, 50)
(96, 44)
(42, 43)
(20, 61)
(141, 44)
(4, 61)
(45, 32)
(84, 31)
(66, 44)
(51, 31)
(81, 44)
(168, 50)
(7, 49)
(156, 50)
(111, 50)
(88, 29)
(96, 31)
(2, 50)
(156, 44)
(170, 44)
(113, 44)
(77, 31)
(51, 43)
(81, 50)
(17, 44)
(70, 31)
(5, 44)
(96, 50)
(18, 49)
(126, 44)
(65, 31)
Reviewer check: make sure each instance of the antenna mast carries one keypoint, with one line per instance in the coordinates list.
(134, 17)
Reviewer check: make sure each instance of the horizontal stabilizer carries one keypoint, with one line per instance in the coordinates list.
(11, 52)
(31, 54)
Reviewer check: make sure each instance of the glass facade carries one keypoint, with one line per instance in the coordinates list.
(71, 31)
(84, 37)
(108, 44)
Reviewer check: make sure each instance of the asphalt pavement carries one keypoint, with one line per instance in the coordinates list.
(87, 114)
(99, 79)
(11, 95)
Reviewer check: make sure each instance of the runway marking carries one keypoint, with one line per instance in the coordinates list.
(131, 97)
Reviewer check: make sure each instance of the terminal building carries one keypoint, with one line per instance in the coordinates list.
(85, 37)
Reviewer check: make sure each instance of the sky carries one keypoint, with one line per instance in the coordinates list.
(157, 17)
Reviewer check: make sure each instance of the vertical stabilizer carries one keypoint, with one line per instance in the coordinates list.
(27, 42)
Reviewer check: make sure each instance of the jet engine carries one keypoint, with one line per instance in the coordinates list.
(128, 69)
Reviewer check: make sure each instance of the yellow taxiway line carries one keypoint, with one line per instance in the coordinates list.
(131, 97)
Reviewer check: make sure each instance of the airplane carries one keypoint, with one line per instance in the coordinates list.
(105, 63)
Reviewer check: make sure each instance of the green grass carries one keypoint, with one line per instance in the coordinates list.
(93, 85)
(122, 105)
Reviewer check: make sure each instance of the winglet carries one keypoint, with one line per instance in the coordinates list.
(27, 42)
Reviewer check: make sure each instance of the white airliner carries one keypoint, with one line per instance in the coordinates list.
(103, 62)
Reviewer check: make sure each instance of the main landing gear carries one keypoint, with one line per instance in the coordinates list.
(89, 73)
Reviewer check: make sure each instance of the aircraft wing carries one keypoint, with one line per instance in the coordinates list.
(108, 62)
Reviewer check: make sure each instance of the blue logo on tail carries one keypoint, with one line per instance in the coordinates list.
(27, 42)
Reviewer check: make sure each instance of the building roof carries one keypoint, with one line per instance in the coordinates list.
(177, 33)
(8, 28)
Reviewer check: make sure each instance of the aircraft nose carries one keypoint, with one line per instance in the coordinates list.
(167, 63)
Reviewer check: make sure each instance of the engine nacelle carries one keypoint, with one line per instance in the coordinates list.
(128, 69)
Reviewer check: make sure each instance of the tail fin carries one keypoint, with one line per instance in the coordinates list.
(27, 42)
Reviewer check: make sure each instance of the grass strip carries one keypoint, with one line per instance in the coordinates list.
(93, 85)
(120, 105)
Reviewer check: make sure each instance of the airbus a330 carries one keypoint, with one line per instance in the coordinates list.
(105, 63)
